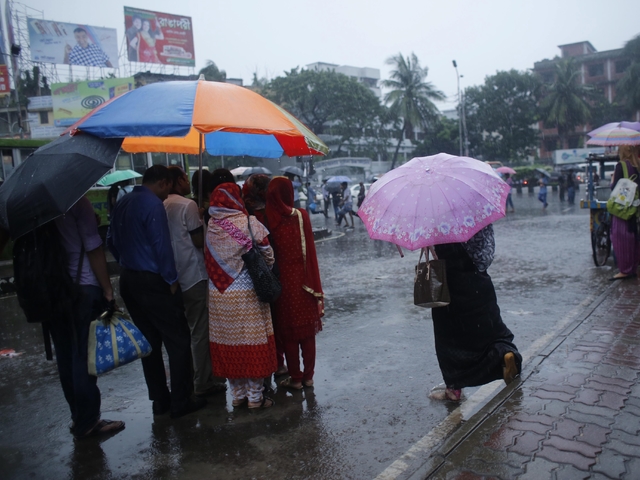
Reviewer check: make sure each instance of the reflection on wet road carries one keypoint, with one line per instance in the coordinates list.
(376, 364)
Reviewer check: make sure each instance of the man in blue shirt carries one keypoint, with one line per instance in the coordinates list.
(140, 241)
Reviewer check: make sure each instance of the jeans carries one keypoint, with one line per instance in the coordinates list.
(70, 341)
(342, 213)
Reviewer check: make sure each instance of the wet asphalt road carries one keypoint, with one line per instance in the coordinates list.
(375, 367)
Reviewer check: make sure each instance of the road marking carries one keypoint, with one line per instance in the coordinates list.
(341, 234)
(473, 404)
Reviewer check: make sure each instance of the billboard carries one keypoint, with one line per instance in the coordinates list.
(574, 155)
(72, 43)
(5, 86)
(72, 101)
(154, 37)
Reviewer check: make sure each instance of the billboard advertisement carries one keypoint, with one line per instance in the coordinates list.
(72, 101)
(5, 86)
(72, 43)
(574, 155)
(154, 37)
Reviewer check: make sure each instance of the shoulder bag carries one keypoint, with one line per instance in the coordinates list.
(265, 282)
(623, 202)
(430, 289)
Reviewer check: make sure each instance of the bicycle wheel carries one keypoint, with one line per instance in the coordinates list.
(601, 244)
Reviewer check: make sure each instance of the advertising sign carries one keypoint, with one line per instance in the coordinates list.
(574, 155)
(10, 35)
(72, 101)
(154, 37)
(72, 43)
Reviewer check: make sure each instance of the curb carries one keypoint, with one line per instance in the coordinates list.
(423, 469)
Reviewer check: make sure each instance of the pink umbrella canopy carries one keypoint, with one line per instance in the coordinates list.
(508, 170)
(615, 136)
(434, 200)
(632, 125)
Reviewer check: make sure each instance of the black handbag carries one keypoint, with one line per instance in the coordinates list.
(430, 289)
(265, 282)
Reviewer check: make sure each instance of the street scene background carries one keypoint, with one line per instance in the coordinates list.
(375, 367)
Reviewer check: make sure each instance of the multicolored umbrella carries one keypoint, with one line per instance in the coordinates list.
(615, 136)
(632, 125)
(508, 170)
(192, 116)
(434, 200)
(117, 176)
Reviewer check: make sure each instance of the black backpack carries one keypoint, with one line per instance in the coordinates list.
(43, 285)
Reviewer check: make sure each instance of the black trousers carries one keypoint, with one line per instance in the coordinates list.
(160, 317)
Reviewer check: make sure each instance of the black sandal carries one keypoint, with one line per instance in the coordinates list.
(103, 427)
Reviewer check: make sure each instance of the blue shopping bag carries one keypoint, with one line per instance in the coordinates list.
(114, 341)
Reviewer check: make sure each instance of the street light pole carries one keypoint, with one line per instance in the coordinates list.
(455, 65)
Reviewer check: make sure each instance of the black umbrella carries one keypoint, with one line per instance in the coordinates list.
(52, 179)
(254, 170)
(293, 171)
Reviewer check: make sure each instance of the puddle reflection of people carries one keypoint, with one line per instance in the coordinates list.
(473, 345)
(87, 459)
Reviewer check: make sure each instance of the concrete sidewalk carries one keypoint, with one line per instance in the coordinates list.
(575, 413)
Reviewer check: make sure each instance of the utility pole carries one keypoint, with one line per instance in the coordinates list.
(464, 128)
(455, 65)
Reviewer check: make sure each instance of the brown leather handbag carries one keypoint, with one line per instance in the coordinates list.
(430, 289)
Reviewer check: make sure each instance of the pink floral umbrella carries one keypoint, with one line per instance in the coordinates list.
(434, 200)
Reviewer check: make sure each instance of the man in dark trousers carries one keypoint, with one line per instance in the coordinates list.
(139, 239)
(87, 267)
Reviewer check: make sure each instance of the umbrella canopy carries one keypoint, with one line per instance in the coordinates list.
(339, 179)
(118, 176)
(615, 136)
(293, 171)
(254, 170)
(543, 172)
(51, 180)
(239, 171)
(631, 125)
(232, 121)
(508, 170)
(434, 200)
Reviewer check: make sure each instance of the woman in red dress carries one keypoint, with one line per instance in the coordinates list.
(147, 42)
(298, 311)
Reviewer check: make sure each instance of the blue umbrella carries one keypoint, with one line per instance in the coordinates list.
(339, 179)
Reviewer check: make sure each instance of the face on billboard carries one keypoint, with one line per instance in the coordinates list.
(73, 44)
(155, 37)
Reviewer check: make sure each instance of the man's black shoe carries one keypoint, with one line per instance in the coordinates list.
(192, 405)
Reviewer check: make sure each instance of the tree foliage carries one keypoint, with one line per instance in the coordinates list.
(33, 84)
(443, 137)
(327, 102)
(566, 102)
(501, 115)
(212, 73)
(629, 85)
(411, 97)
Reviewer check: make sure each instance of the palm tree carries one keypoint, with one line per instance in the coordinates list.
(411, 97)
(212, 73)
(629, 85)
(566, 105)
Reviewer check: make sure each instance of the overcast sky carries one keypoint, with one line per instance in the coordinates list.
(483, 36)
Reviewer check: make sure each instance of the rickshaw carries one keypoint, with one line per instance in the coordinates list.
(596, 202)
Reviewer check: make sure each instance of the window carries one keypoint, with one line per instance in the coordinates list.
(44, 118)
(175, 159)
(596, 70)
(123, 162)
(159, 158)
(547, 77)
(622, 65)
(140, 162)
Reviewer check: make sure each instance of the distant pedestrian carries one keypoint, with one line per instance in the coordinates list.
(361, 194)
(325, 198)
(296, 188)
(346, 206)
(298, 310)
(509, 181)
(254, 195)
(562, 187)
(187, 240)
(542, 194)
(571, 188)
(311, 206)
(336, 198)
(140, 241)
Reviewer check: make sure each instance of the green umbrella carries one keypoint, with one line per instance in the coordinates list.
(117, 176)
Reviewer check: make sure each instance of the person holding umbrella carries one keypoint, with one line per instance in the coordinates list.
(542, 194)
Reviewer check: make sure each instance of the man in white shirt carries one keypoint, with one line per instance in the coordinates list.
(187, 240)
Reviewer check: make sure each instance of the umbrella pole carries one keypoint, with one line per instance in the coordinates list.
(200, 170)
